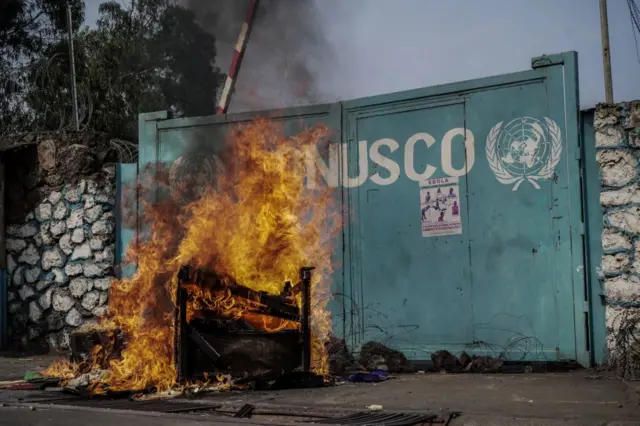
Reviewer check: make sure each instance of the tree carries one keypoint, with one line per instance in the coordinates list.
(148, 56)
(27, 27)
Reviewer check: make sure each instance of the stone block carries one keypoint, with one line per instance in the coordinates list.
(30, 256)
(61, 300)
(93, 269)
(92, 214)
(59, 276)
(609, 137)
(620, 197)
(73, 269)
(60, 211)
(614, 241)
(92, 187)
(35, 312)
(53, 258)
(615, 263)
(44, 212)
(11, 263)
(55, 197)
(31, 275)
(102, 283)
(66, 245)
(99, 311)
(78, 235)
(622, 287)
(102, 227)
(606, 115)
(96, 243)
(25, 292)
(15, 246)
(43, 284)
(617, 167)
(46, 237)
(58, 227)
(89, 201)
(71, 194)
(104, 298)
(82, 252)
(75, 218)
(47, 155)
(45, 299)
(74, 318)
(90, 300)
(634, 139)
(106, 256)
(17, 279)
(79, 286)
(55, 321)
(626, 219)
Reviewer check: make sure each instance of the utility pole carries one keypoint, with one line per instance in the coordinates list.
(72, 61)
(606, 52)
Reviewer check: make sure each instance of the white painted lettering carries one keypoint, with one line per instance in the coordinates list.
(409, 165)
(469, 146)
(330, 173)
(392, 167)
(363, 166)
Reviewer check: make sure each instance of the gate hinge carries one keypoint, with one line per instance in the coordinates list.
(582, 228)
(586, 306)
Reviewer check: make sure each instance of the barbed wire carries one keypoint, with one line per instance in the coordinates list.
(20, 112)
(624, 343)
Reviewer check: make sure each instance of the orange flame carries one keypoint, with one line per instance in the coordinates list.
(258, 224)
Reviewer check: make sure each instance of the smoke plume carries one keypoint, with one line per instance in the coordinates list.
(283, 55)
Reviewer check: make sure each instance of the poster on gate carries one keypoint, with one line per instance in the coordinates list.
(440, 207)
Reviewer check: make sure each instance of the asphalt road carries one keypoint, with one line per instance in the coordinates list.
(11, 416)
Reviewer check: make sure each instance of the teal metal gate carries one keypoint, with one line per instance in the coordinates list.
(504, 277)
(463, 212)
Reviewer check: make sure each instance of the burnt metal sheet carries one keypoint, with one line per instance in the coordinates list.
(383, 418)
(156, 405)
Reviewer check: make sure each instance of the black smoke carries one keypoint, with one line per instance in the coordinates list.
(286, 50)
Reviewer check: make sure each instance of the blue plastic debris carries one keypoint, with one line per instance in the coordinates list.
(371, 377)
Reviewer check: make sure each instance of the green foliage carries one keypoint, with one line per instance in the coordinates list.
(150, 55)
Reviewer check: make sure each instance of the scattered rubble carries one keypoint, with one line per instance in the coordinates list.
(341, 361)
(445, 361)
(374, 355)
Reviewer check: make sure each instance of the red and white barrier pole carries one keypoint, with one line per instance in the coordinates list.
(241, 45)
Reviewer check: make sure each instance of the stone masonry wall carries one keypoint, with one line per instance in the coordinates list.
(60, 239)
(618, 152)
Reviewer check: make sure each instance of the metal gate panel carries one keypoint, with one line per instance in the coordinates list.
(165, 142)
(511, 283)
(405, 298)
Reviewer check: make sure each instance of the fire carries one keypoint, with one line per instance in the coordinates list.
(257, 224)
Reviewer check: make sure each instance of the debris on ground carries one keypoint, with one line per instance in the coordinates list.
(445, 361)
(341, 361)
(369, 377)
(84, 380)
(374, 356)
(484, 364)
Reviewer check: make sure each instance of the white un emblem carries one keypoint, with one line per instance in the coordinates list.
(525, 149)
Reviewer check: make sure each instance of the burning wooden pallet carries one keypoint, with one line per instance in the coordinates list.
(213, 341)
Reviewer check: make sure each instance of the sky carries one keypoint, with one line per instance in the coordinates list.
(383, 46)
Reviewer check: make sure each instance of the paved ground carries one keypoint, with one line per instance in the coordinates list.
(528, 399)
(13, 366)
